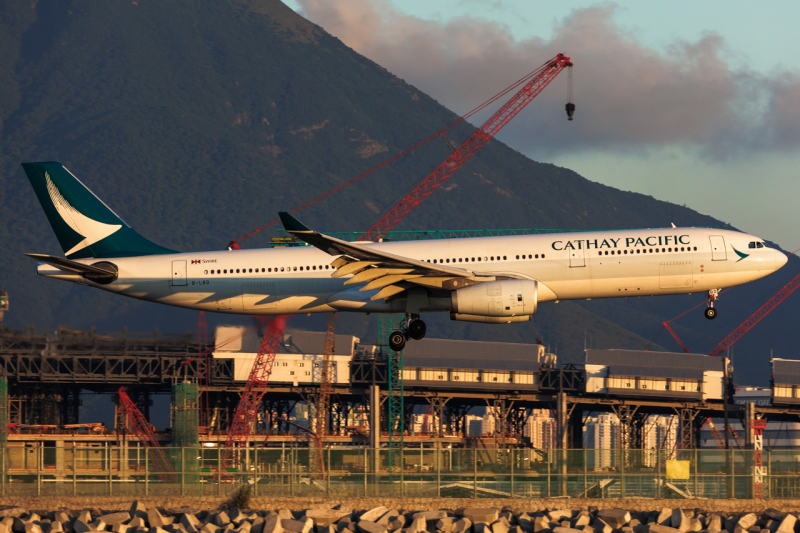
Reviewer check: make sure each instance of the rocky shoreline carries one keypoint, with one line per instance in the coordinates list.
(382, 519)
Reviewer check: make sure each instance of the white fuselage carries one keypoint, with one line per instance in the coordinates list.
(601, 264)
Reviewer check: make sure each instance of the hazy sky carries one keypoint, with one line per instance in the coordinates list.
(697, 103)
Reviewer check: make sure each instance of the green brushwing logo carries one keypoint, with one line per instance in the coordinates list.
(740, 254)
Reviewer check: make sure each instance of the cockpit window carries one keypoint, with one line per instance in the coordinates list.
(756, 245)
(752, 245)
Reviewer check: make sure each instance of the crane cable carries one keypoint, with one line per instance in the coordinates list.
(233, 245)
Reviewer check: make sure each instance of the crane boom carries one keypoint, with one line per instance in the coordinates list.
(756, 317)
(719, 440)
(675, 336)
(476, 141)
(139, 425)
(254, 389)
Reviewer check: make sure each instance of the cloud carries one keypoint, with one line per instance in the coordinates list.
(629, 97)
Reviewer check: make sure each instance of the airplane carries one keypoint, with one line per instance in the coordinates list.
(484, 279)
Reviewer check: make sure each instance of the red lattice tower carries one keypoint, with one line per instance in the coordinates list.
(141, 428)
(545, 74)
(326, 379)
(247, 411)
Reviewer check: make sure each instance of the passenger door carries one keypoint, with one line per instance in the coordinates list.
(178, 273)
(718, 248)
(577, 257)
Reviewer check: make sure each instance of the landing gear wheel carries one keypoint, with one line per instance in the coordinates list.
(711, 313)
(417, 329)
(397, 341)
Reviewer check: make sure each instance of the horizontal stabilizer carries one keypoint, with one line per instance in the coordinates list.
(102, 272)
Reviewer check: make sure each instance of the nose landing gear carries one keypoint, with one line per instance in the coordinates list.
(412, 328)
(711, 311)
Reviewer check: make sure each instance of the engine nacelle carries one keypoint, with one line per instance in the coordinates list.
(507, 298)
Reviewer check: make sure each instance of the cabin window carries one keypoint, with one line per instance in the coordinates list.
(434, 261)
(448, 260)
(459, 260)
(601, 253)
(626, 252)
(537, 256)
(281, 269)
(542, 256)
(517, 257)
(638, 251)
(504, 258)
(695, 248)
(492, 258)
(295, 269)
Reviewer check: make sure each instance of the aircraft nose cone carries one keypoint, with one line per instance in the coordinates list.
(780, 259)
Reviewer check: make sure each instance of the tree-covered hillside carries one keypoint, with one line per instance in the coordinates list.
(199, 120)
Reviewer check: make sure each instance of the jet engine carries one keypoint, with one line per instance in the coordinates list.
(512, 300)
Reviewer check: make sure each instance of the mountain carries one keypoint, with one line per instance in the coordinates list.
(198, 120)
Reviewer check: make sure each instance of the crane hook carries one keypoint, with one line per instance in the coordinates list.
(570, 107)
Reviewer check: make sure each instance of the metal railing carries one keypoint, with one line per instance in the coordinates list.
(421, 472)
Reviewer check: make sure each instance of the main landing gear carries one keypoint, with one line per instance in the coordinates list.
(711, 311)
(412, 328)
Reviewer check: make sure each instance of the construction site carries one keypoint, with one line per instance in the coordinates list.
(324, 414)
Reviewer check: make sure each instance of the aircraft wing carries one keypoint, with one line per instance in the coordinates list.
(390, 273)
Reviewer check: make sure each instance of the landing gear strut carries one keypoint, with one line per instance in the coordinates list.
(711, 311)
(412, 328)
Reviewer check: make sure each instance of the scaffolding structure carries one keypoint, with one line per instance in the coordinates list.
(396, 408)
(185, 414)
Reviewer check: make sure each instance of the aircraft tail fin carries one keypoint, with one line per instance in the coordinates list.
(84, 225)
